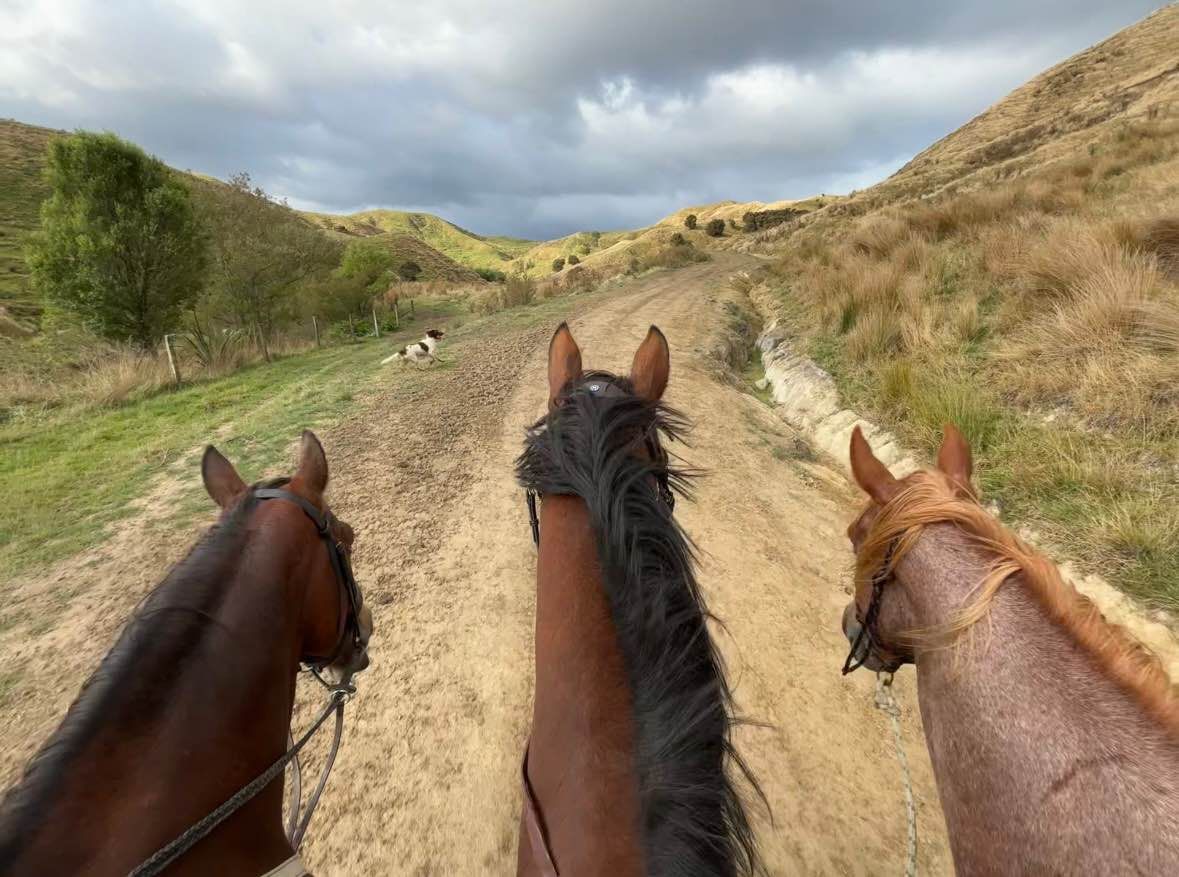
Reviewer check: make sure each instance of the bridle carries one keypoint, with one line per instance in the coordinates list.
(339, 693)
(866, 642)
(605, 388)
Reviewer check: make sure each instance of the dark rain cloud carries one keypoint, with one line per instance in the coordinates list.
(534, 118)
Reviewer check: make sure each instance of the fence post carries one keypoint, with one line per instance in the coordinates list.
(315, 326)
(172, 359)
(376, 325)
(351, 329)
(411, 310)
(396, 316)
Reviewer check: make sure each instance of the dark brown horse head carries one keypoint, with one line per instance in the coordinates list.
(874, 606)
(630, 769)
(328, 607)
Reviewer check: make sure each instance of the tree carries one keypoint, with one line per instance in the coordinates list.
(558, 263)
(409, 271)
(715, 228)
(368, 263)
(573, 259)
(262, 252)
(690, 221)
(120, 244)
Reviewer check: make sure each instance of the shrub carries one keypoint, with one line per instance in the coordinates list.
(573, 260)
(491, 275)
(715, 228)
(678, 240)
(409, 271)
(558, 264)
(690, 221)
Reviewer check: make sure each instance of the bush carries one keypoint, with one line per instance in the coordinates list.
(690, 221)
(491, 275)
(558, 264)
(573, 260)
(678, 240)
(409, 271)
(715, 228)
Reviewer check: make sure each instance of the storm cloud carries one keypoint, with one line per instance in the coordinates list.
(534, 119)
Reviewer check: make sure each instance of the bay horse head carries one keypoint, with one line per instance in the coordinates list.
(628, 767)
(336, 622)
(179, 738)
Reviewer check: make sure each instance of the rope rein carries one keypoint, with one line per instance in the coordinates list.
(166, 855)
(886, 703)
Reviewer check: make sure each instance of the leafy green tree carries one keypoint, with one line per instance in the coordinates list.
(120, 244)
(263, 252)
(369, 263)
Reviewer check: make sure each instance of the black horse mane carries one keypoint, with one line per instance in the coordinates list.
(155, 642)
(693, 819)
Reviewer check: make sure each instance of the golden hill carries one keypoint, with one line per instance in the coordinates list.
(1020, 277)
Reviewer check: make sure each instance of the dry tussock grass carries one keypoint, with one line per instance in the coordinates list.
(1046, 304)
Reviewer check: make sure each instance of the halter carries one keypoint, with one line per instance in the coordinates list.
(866, 642)
(338, 695)
(604, 388)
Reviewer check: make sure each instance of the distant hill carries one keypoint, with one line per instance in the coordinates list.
(458, 244)
(22, 189)
(1131, 77)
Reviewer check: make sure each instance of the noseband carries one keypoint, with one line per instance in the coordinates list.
(603, 388)
(866, 641)
(339, 694)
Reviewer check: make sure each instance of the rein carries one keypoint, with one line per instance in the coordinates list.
(338, 695)
(865, 642)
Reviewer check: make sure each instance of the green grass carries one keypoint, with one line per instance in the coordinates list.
(68, 474)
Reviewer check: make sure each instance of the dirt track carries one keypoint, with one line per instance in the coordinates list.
(427, 779)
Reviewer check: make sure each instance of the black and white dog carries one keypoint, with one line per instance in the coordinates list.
(423, 351)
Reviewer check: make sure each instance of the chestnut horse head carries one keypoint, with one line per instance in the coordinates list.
(194, 700)
(628, 766)
(875, 625)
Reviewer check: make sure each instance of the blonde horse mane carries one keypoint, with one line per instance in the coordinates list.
(930, 498)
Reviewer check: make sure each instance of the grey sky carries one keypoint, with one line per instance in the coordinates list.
(534, 118)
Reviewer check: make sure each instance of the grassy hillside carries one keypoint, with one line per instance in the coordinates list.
(22, 157)
(1021, 278)
(22, 160)
(458, 244)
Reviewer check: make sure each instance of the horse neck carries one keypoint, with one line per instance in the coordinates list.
(1043, 763)
(582, 757)
(183, 728)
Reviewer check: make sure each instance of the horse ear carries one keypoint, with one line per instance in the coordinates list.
(221, 479)
(651, 367)
(953, 457)
(313, 467)
(564, 362)
(872, 475)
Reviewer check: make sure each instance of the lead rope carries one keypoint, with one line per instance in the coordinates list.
(887, 704)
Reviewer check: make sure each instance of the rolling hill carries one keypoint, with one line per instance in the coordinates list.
(1020, 277)
(22, 189)
(457, 244)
